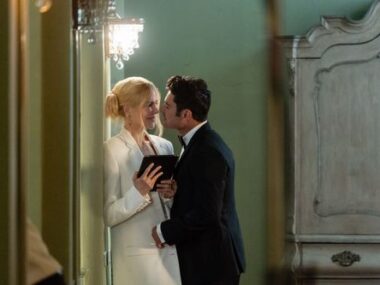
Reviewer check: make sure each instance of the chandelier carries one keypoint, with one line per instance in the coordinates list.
(121, 35)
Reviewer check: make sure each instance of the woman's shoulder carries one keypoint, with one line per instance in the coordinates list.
(113, 142)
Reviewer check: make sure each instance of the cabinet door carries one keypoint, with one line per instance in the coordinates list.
(336, 133)
(339, 142)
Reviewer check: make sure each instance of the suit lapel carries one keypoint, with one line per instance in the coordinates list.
(196, 138)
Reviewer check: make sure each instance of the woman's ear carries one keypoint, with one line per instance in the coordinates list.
(126, 109)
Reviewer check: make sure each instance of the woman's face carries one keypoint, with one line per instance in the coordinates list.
(146, 113)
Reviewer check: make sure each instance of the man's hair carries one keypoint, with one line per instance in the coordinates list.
(190, 93)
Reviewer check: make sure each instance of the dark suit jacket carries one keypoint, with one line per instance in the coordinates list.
(204, 225)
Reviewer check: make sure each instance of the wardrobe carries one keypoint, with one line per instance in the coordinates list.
(333, 151)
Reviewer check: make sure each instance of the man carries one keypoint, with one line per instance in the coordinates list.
(204, 225)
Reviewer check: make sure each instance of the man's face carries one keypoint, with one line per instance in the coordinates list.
(169, 110)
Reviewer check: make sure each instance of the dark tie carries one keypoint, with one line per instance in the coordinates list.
(180, 138)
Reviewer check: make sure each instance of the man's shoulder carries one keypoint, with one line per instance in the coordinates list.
(213, 138)
(212, 143)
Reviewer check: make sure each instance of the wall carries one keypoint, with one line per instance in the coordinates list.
(223, 42)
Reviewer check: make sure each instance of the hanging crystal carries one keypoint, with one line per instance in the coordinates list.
(123, 38)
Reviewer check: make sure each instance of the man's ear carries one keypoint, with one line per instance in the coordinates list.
(187, 114)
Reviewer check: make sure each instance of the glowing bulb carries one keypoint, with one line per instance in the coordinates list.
(43, 5)
(123, 38)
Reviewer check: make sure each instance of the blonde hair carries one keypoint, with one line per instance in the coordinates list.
(133, 91)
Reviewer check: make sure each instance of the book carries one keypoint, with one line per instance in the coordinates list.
(167, 163)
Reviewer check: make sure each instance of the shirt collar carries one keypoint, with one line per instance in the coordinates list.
(186, 138)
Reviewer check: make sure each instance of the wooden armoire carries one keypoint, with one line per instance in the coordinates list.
(333, 151)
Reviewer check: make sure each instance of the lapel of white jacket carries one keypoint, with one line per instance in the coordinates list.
(132, 145)
(135, 153)
(160, 148)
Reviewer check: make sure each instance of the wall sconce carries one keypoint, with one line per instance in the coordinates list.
(121, 35)
(43, 5)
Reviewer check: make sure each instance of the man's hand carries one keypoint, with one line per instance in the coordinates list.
(167, 188)
(156, 238)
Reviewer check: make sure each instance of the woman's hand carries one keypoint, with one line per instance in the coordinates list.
(167, 188)
(146, 181)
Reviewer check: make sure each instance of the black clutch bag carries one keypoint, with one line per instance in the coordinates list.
(167, 163)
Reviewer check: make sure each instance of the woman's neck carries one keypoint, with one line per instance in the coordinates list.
(138, 134)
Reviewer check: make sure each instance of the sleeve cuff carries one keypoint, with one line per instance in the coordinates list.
(159, 233)
(168, 202)
(136, 199)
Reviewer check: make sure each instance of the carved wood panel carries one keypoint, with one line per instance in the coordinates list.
(334, 126)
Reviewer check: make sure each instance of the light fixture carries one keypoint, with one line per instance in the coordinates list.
(43, 5)
(121, 35)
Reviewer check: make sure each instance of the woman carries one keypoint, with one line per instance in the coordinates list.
(130, 208)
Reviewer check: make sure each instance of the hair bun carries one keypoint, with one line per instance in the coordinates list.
(112, 105)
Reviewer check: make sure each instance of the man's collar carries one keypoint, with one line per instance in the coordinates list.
(186, 138)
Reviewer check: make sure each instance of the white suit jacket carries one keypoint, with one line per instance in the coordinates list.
(132, 216)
